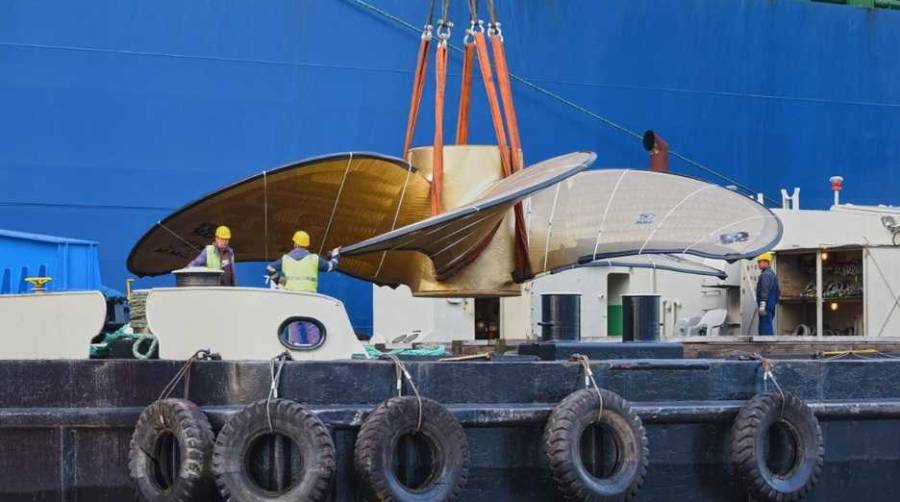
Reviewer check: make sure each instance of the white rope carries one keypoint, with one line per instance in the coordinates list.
(401, 371)
(266, 214)
(461, 255)
(167, 229)
(336, 201)
(396, 215)
(589, 378)
(473, 225)
(720, 229)
(550, 226)
(671, 211)
(768, 367)
(184, 373)
(273, 387)
(606, 212)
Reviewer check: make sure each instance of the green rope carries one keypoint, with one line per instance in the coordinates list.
(424, 351)
(101, 349)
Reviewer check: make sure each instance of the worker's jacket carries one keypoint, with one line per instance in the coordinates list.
(299, 270)
(767, 289)
(214, 258)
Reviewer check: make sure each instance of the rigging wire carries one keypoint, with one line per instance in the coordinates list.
(266, 214)
(182, 239)
(571, 104)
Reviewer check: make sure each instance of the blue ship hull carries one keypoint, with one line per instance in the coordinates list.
(115, 113)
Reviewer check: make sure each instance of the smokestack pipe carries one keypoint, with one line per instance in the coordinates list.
(837, 183)
(659, 151)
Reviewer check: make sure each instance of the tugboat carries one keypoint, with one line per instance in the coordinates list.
(597, 421)
(236, 408)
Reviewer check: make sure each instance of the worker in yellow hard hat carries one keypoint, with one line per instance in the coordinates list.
(299, 269)
(218, 256)
(767, 294)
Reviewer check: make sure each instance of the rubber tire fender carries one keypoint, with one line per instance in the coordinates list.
(750, 433)
(562, 446)
(193, 433)
(377, 440)
(291, 419)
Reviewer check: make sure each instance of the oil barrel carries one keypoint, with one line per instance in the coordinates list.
(640, 318)
(560, 316)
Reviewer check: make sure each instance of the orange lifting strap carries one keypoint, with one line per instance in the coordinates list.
(444, 27)
(465, 90)
(418, 83)
(465, 94)
(484, 64)
(513, 152)
(503, 81)
(440, 70)
(523, 268)
(476, 49)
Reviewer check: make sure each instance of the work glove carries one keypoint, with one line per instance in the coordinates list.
(336, 252)
(762, 309)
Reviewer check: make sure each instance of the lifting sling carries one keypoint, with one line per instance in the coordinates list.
(506, 127)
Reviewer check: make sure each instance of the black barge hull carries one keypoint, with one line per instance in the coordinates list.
(65, 425)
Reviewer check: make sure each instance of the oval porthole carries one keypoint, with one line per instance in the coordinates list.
(301, 333)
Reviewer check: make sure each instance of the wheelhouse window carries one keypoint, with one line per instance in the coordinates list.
(301, 333)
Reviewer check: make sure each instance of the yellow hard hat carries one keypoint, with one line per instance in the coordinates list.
(301, 238)
(767, 256)
(223, 232)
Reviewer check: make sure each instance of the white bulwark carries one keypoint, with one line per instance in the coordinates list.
(50, 325)
(250, 323)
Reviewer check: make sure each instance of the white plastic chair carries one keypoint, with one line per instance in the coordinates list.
(709, 324)
(684, 325)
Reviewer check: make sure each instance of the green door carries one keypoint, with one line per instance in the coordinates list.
(614, 320)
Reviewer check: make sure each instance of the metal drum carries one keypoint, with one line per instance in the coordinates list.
(197, 276)
(560, 316)
(640, 318)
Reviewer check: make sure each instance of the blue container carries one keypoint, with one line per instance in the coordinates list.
(73, 264)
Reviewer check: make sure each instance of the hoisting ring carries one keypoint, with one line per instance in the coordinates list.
(494, 30)
(444, 29)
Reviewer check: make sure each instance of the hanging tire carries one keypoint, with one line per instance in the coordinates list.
(302, 440)
(622, 476)
(391, 428)
(170, 452)
(780, 476)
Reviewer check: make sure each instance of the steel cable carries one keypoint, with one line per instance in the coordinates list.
(608, 122)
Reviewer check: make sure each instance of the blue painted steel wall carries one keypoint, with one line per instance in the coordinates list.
(115, 112)
(71, 263)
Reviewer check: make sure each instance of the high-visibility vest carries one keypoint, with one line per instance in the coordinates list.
(213, 261)
(302, 274)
